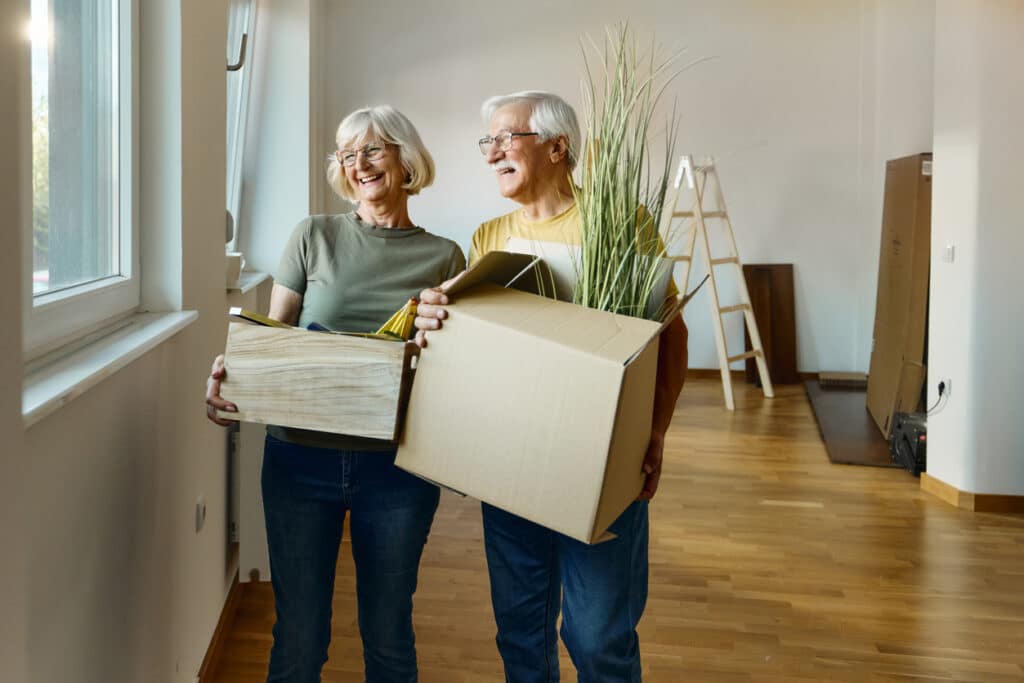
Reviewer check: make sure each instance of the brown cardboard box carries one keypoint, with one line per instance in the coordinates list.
(317, 380)
(897, 372)
(539, 407)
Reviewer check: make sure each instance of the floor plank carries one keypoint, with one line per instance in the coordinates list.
(768, 563)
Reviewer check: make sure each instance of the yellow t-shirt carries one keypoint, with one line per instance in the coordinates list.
(565, 228)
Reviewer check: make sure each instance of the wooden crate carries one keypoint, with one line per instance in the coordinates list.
(316, 380)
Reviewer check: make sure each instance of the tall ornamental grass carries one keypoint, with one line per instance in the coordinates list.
(620, 204)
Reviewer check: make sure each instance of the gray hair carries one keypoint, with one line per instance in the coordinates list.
(389, 125)
(551, 116)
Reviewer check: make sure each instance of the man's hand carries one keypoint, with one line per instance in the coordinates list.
(213, 400)
(431, 309)
(652, 466)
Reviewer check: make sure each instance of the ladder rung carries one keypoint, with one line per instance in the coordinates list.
(679, 258)
(744, 356)
(737, 307)
(691, 214)
(721, 261)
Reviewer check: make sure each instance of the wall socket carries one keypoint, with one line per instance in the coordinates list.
(200, 513)
(949, 386)
(949, 255)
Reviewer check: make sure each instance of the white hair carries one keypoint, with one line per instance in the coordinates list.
(550, 115)
(388, 125)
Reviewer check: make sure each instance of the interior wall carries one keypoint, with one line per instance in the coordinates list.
(160, 158)
(976, 318)
(801, 102)
(14, 56)
(119, 585)
(897, 57)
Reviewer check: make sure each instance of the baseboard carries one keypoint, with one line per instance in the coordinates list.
(976, 502)
(737, 375)
(227, 617)
(714, 373)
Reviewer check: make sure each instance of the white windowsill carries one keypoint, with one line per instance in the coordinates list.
(55, 384)
(248, 280)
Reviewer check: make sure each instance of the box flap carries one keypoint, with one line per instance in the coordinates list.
(608, 335)
(505, 270)
(615, 338)
(563, 260)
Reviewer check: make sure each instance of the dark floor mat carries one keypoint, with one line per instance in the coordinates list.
(851, 437)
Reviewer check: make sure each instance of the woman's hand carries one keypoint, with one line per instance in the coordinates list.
(213, 400)
(285, 306)
(431, 309)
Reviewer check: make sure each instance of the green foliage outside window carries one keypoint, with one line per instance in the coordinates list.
(41, 185)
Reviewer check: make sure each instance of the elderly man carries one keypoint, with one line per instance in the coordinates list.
(533, 146)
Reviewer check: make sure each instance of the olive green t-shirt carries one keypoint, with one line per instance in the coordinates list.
(353, 276)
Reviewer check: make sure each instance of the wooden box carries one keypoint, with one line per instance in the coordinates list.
(322, 381)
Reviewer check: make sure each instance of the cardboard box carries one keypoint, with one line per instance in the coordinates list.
(539, 407)
(317, 380)
(897, 372)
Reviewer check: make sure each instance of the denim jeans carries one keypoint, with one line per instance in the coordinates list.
(306, 494)
(602, 590)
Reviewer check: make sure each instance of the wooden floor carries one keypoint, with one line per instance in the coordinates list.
(768, 563)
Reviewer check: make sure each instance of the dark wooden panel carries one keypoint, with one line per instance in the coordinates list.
(849, 433)
(771, 296)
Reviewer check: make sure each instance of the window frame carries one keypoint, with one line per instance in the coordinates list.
(54, 319)
(235, 142)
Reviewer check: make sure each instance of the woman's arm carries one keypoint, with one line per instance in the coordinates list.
(285, 305)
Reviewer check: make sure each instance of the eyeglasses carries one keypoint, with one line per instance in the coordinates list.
(503, 140)
(372, 151)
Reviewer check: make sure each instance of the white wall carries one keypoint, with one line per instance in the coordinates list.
(276, 173)
(977, 314)
(116, 584)
(897, 58)
(802, 104)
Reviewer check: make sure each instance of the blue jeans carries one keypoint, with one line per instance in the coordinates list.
(306, 494)
(602, 591)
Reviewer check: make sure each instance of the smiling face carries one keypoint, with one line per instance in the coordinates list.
(376, 182)
(525, 168)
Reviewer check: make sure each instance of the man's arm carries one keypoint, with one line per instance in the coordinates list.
(431, 310)
(672, 363)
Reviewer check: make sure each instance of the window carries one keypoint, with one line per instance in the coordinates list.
(241, 30)
(82, 249)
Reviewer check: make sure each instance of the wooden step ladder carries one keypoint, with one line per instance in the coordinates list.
(700, 181)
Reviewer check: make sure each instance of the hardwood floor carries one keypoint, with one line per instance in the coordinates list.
(768, 563)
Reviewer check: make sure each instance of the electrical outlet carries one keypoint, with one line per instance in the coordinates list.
(949, 386)
(200, 513)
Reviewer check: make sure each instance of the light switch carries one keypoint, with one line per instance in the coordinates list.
(949, 254)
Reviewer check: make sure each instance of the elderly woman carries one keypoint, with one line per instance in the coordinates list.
(350, 272)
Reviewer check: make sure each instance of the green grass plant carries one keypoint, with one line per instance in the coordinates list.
(620, 203)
